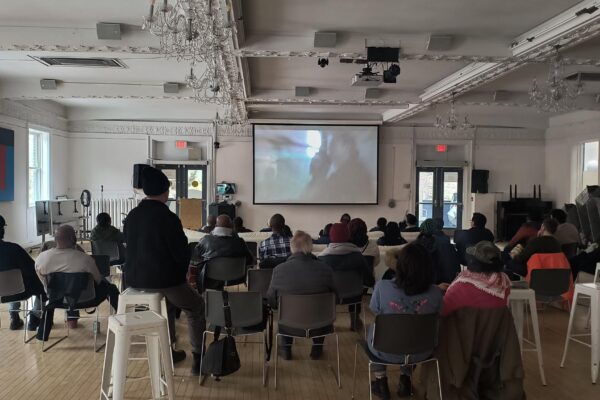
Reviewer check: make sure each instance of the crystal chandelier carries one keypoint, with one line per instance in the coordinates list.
(558, 95)
(232, 122)
(451, 121)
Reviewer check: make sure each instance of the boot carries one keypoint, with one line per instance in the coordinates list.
(380, 388)
(178, 355)
(16, 322)
(404, 386)
(33, 323)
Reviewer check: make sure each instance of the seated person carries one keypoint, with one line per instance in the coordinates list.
(411, 292)
(323, 235)
(368, 247)
(566, 232)
(345, 218)
(342, 255)
(66, 258)
(238, 226)
(104, 231)
(446, 263)
(221, 242)
(275, 249)
(391, 236)
(211, 222)
(470, 237)
(527, 231)
(287, 231)
(380, 227)
(13, 256)
(302, 273)
(544, 243)
(482, 285)
(585, 261)
(411, 224)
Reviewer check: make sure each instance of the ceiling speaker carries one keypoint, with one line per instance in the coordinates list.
(48, 84)
(325, 39)
(302, 91)
(439, 42)
(171, 87)
(108, 31)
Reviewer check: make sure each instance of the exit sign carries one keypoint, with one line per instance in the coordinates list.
(181, 144)
(441, 148)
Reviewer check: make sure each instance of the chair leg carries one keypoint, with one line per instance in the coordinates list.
(437, 366)
(337, 349)
(354, 371)
(569, 329)
(200, 378)
(536, 335)
(276, 357)
(265, 366)
(369, 382)
(595, 364)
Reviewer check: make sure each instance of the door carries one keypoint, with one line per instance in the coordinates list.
(187, 182)
(439, 195)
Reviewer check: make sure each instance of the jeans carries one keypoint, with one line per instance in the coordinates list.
(15, 306)
(192, 304)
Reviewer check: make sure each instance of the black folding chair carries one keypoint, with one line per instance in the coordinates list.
(550, 284)
(259, 280)
(349, 290)
(401, 335)
(230, 271)
(12, 289)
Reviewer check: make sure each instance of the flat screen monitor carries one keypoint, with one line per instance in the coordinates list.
(315, 164)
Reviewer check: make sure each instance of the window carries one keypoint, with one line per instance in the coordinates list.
(590, 152)
(39, 185)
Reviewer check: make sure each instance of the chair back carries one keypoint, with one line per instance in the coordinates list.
(549, 261)
(11, 282)
(550, 282)
(246, 308)
(108, 248)
(259, 280)
(405, 334)
(103, 264)
(307, 311)
(68, 289)
(348, 285)
(570, 249)
(226, 269)
(253, 248)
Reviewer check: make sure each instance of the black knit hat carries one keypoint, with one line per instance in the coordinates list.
(154, 182)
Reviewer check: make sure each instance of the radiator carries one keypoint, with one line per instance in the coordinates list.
(116, 208)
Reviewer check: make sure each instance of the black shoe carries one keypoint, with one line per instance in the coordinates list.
(380, 388)
(196, 364)
(40, 336)
(316, 352)
(33, 323)
(285, 352)
(178, 355)
(404, 386)
(16, 324)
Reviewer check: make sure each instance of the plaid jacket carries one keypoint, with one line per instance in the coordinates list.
(277, 246)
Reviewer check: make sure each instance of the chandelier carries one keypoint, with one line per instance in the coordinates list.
(451, 121)
(558, 95)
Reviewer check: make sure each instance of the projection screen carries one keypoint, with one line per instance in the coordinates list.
(315, 164)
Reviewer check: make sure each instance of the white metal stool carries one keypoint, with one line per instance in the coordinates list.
(593, 291)
(121, 329)
(519, 299)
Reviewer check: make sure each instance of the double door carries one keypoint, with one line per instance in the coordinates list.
(187, 182)
(439, 195)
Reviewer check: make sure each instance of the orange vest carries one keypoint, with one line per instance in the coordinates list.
(551, 261)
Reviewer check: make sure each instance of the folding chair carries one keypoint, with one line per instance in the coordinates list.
(349, 290)
(229, 270)
(259, 280)
(12, 288)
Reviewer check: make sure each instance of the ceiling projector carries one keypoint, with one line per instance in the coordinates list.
(367, 78)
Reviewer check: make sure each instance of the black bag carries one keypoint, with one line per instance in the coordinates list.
(221, 357)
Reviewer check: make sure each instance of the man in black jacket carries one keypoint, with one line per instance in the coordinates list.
(467, 238)
(158, 259)
(221, 242)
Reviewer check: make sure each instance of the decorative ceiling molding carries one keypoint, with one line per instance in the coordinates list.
(32, 115)
(142, 128)
(62, 48)
(504, 134)
(92, 96)
(234, 130)
(327, 102)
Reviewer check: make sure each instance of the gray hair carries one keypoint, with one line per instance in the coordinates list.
(301, 243)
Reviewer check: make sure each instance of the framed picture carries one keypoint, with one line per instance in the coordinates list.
(7, 165)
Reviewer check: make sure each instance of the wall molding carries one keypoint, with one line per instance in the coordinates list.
(141, 128)
(32, 115)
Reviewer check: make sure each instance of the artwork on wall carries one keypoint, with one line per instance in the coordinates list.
(7, 165)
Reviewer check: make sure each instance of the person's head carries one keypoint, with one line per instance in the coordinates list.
(277, 223)
(381, 223)
(2, 225)
(559, 215)
(211, 220)
(534, 216)
(358, 232)
(414, 269)
(478, 220)
(345, 218)
(339, 233)
(438, 224)
(327, 229)
(427, 227)
(392, 230)
(484, 257)
(301, 242)
(224, 221)
(411, 220)
(65, 237)
(103, 219)
(155, 184)
(238, 223)
(549, 227)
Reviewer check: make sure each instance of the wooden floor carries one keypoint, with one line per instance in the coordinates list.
(71, 370)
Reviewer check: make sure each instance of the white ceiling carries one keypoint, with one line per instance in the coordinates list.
(479, 29)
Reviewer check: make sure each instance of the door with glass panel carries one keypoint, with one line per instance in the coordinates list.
(439, 195)
(187, 182)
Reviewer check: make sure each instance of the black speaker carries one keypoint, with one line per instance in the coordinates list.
(217, 209)
(137, 175)
(479, 180)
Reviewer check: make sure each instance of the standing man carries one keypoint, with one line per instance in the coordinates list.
(158, 259)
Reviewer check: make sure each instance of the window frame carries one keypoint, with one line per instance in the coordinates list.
(41, 167)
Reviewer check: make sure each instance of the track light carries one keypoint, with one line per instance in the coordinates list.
(323, 62)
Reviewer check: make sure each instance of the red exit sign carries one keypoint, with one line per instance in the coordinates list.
(441, 148)
(181, 144)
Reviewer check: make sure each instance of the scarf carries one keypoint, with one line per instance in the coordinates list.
(221, 231)
(338, 249)
(494, 284)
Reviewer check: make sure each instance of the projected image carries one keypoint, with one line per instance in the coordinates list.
(315, 164)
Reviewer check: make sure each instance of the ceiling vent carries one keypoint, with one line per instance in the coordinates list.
(80, 62)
